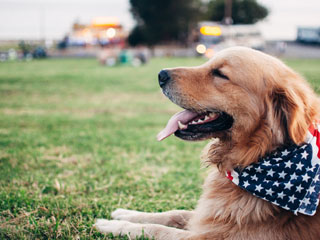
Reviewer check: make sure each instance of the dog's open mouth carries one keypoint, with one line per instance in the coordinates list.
(190, 125)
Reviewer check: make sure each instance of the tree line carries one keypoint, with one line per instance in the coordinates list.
(172, 20)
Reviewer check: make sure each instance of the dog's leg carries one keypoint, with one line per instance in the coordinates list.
(134, 230)
(174, 218)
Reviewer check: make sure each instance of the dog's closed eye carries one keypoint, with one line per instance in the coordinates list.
(217, 73)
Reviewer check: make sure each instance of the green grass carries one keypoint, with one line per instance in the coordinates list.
(77, 140)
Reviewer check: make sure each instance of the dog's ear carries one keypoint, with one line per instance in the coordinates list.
(295, 107)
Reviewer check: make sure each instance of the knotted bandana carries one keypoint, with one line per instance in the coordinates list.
(288, 178)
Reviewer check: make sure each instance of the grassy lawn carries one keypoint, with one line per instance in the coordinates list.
(77, 140)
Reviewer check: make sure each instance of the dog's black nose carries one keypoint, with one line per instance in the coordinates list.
(163, 77)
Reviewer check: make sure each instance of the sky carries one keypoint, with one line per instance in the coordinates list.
(52, 19)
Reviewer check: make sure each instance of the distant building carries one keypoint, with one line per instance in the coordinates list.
(102, 31)
(210, 37)
(308, 34)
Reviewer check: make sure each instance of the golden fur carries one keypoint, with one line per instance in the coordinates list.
(271, 106)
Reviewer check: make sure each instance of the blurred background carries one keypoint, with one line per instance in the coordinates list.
(80, 103)
(102, 28)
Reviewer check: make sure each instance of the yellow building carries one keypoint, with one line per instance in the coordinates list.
(101, 31)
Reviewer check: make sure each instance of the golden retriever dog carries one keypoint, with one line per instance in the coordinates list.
(249, 104)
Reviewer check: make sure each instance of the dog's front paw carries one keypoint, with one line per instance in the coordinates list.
(117, 228)
(122, 214)
(111, 226)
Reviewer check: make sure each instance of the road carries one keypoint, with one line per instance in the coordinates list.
(293, 50)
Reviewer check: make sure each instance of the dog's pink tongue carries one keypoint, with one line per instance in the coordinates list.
(172, 125)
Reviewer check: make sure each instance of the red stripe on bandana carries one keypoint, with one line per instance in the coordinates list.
(317, 134)
(229, 175)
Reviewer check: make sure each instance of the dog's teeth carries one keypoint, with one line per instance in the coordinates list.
(212, 115)
(182, 126)
(206, 118)
(200, 121)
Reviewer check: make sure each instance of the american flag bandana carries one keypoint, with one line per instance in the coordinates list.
(288, 178)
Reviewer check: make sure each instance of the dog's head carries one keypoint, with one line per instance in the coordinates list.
(249, 100)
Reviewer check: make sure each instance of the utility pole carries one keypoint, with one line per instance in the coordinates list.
(42, 23)
(227, 12)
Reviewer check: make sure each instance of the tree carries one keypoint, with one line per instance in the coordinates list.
(163, 21)
(243, 11)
